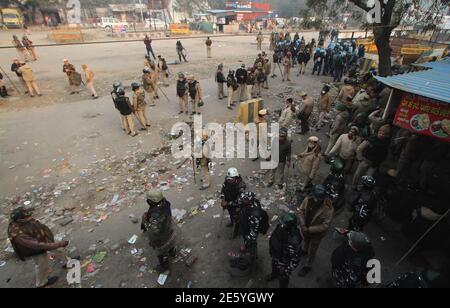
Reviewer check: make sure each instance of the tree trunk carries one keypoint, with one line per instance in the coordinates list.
(382, 40)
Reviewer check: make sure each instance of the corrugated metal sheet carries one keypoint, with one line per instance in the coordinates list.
(432, 83)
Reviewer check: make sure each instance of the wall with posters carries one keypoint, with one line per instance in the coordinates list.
(424, 116)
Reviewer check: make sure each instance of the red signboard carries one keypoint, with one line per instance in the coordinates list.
(424, 116)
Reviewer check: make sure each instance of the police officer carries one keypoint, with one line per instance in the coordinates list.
(232, 86)
(114, 94)
(260, 77)
(260, 40)
(250, 82)
(140, 105)
(221, 80)
(241, 77)
(233, 187)
(158, 226)
(183, 93)
(126, 110)
(148, 80)
(195, 93)
(285, 244)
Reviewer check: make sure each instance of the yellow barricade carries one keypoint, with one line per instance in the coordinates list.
(249, 110)
(67, 34)
(179, 29)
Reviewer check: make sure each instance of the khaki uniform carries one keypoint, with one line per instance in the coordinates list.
(89, 74)
(140, 107)
(147, 63)
(30, 48)
(317, 220)
(69, 69)
(287, 64)
(209, 48)
(21, 50)
(309, 163)
(324, 106)
(230, 96)
(149, 81)
(30, 79)
(346, 91)
(260, 40)
(162, 74)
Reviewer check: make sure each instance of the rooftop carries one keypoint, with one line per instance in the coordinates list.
(434, 82)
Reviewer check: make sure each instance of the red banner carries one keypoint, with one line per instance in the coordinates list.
(424, 116)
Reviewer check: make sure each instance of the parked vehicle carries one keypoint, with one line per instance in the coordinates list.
(11, 18)
(110, 23)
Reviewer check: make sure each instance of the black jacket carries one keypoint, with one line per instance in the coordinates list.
(231, 82)
(157, 223)
(124, 106)
(220, 77)
(15, 68)
(231, 192)
(377, 151)
(241, 75)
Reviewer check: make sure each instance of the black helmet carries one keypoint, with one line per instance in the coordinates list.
(248, 197)
(116, 85)
(319, 192)
(135, 86)
(369, 181)
(121, 91)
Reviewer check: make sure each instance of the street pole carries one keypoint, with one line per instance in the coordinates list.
(142, 12)
(153, 14)
(164, 12)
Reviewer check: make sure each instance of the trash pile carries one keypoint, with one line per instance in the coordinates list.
(106, 186)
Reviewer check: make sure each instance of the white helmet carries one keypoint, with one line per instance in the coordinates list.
(233, 173)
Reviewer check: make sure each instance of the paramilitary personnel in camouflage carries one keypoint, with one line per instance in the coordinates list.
(157, 224)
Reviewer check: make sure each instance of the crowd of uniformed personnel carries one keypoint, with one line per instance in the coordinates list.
(358, 137)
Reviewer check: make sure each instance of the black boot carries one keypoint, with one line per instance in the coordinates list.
(163, 264)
